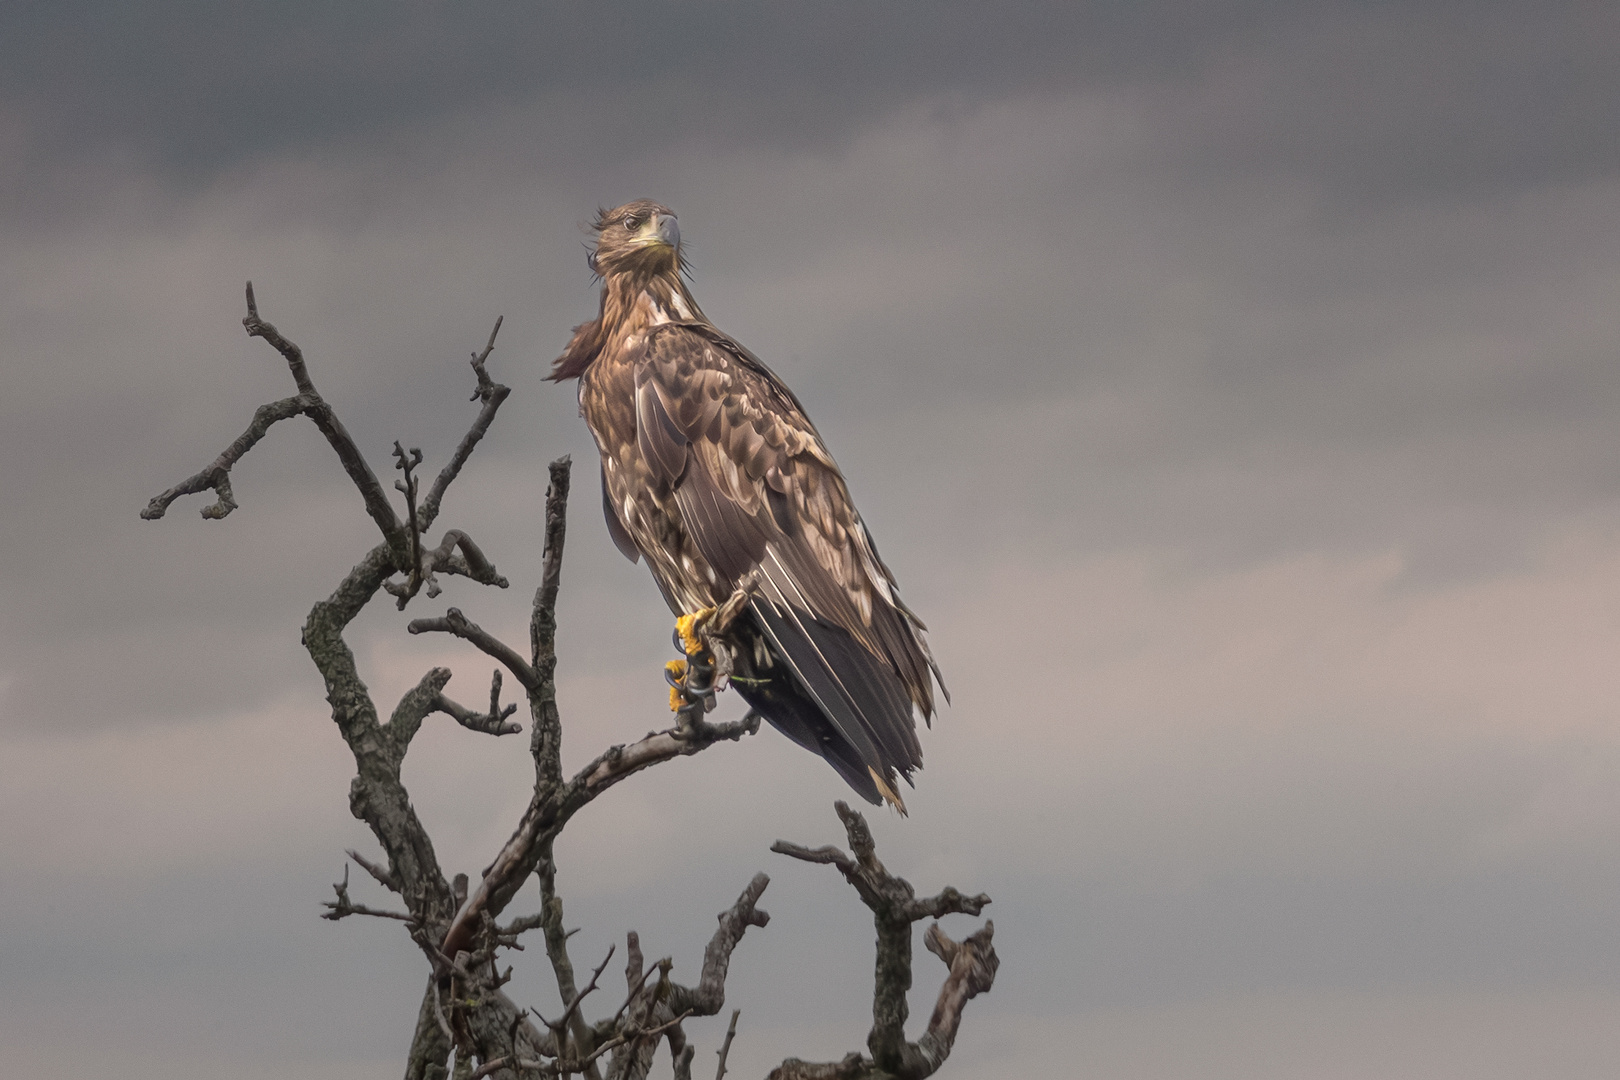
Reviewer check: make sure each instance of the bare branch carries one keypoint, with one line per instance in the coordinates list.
(257, 327)
(667, 999)
(619, 762)
(827, 855)
(407, 463)
(491, 394)
(635, 977)
(217, 476)
(384, 876)
(377, 796)
(412, 709)
(545, 738)
(948, 902)
(565, 1066)
(894, 908)
(509, 1061)
(629, 1033)
(354, 462)
(342, 907)
(560, 1027)
(472, 563)
(552, 808)
(634, 964)
(709, 996)
(454, 622)
(725, 1047)
(973, 965)
(492, 722)
(551, 922)
(424, 563)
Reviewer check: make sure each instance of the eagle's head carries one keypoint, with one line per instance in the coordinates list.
(641, 239)
(637, 253)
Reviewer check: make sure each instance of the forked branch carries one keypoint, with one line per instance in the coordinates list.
(894, 906)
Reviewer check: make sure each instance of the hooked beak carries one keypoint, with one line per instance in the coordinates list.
(666, 231)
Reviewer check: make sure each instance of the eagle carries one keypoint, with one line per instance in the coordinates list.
(713, 473)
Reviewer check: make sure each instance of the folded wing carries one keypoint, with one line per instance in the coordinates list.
(759, 494)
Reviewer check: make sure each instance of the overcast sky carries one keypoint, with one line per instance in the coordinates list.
(1232, 386)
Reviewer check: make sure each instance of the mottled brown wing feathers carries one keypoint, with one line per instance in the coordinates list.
(731, 540)
(661, 441)
(757, 489)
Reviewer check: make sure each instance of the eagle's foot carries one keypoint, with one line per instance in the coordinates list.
(675, 675)
(688, 628)
(692, 679)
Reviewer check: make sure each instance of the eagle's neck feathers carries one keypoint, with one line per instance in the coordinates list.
(632, 304)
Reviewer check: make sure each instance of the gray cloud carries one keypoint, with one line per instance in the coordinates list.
(1232, 389)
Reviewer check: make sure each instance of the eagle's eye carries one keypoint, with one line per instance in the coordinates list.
(630, 222)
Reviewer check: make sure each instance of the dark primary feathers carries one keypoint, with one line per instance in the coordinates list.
(712, 471)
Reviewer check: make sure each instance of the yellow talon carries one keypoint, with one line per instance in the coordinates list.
(677, 668)
(687, 626)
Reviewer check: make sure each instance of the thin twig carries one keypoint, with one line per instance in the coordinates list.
(454, 622)
(413, 525)
(492, 394)
(492, 722)
(342, 907)
(560, 1027)
(725, 1047)
(628, 1034)
(384, 876)
(556, 938)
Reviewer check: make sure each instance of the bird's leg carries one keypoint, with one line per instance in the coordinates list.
(691, 681)
(707, 664)
(688, 629)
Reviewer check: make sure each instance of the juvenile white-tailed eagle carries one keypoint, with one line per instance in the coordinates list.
(712, 471)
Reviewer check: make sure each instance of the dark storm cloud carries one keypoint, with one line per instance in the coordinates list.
(1231, 387)
(192, 89)
(1378, 100)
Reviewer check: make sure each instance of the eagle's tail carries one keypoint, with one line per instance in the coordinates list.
(826, 692)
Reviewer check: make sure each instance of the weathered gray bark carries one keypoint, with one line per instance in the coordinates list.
(463, 1010)
(895, 907)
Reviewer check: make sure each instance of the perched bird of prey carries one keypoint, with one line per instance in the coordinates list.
(712, 472)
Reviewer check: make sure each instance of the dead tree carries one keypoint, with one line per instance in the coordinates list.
(464, 1013)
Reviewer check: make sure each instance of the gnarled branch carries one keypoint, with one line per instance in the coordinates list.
(894, 906)
(354, 462)
(217, 475)
(454, 622)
